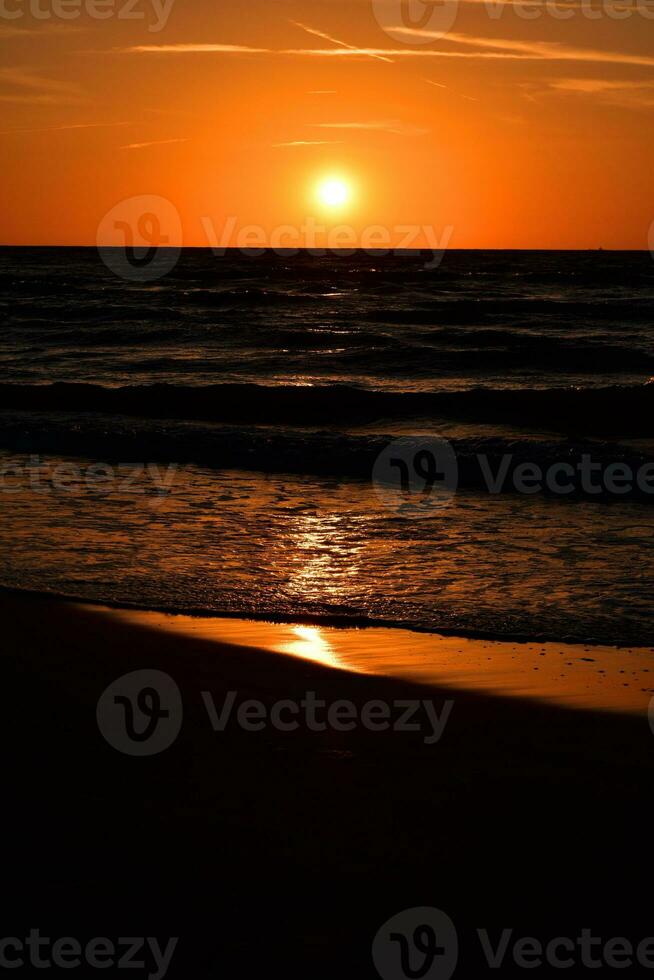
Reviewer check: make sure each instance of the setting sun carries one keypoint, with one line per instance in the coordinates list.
(334, 192)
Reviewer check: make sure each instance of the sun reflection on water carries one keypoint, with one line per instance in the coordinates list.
(321, 555)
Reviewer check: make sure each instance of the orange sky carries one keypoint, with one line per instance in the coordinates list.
(511, 132)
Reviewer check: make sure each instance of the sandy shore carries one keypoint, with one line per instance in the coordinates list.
(286, 850)
(590, 677)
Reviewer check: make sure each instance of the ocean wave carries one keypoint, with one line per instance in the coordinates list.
(487, 464)
(625, 410)
(546, 311)
(389, 349)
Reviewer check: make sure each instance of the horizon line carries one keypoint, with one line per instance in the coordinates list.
(381, 252)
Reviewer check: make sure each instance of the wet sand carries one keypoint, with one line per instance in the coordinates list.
(277, 852)
(590, 677)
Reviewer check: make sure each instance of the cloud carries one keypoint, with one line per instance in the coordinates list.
(597, 85)
(61, 129)
(379, 125)
(622, 93)
(395, 52)
(500, 50)
(35, 99)
(538, 50)
(27, 78)
(468, 98)
(334, 40)
(195, 49)
(7, 30)
(140, 146)
(310, 143)
(487, 48)
(40, 90)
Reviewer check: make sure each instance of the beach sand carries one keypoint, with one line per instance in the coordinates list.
(591, 677)
(283, 851)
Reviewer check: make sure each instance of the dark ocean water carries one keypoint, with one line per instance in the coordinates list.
(270, 385)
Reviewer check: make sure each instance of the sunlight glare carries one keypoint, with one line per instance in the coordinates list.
(333, 192)
(311, 644)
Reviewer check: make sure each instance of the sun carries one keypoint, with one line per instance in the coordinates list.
(333, 192)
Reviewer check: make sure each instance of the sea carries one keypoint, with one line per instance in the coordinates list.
(208, 439)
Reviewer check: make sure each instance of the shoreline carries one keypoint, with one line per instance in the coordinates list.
(583, 676)
(562, 674)
(327, 621)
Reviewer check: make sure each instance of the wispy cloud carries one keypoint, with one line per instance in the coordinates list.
(500, 50)
(46, 30)
(468, 98)
(141, 146)
(622, 93)
(310, 143)
(195, 49)
(379, 125)
(538, 50)
(597, 85)
(28, 78)
(27, 86)
(62, 129)
(334, 40)
(7, 31)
